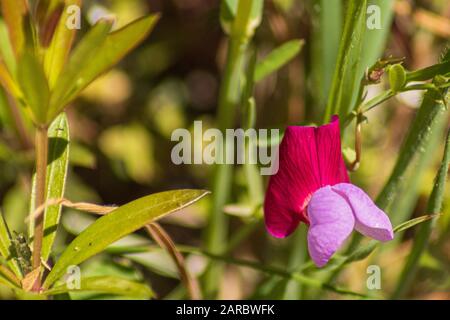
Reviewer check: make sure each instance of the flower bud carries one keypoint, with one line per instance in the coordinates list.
(397, 77)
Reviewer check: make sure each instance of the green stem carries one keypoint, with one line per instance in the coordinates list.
(41, 172)
(216, 233)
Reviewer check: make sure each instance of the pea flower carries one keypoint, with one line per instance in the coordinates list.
(312, 186)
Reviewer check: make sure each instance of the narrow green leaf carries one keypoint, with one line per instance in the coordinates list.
(57, 53)
(134, 247)
(58, 139)
(107, 284)
(33, 83)
(117, 224)
(278, 58)
(405, 202)
(426, 121)
(423, 235)
(347, 67)
(58, 163)
(411, 223)
(327, 20)
(429, 72)
(5, 245)
(71, 75)
(101, 55)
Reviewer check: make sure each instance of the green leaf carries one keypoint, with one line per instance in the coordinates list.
(117, 224)
(324, 44)
(134, 247)
(97, 54)
(85, 51)
(58, 150)
(425, 122)
(33, 82)
(5, 245)
(59, 138)
(405, 202)
(411, 223)
(429, 72)
(58, 51)
(107, 284)
(347, 67)
(278, 58)
(421, 239)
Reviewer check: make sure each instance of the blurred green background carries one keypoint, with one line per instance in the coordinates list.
(121, 129)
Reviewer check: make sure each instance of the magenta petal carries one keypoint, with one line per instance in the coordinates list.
(370, 220)
(331, 162)
(331, 222)
(292, 186)
(309, 158)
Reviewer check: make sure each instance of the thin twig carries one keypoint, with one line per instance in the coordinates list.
(82, 206)
(358, 142)
(164, 241)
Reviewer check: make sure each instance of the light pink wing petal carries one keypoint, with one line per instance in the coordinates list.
(292, 186)
(370, 220)
(331, 222)
(331, 162)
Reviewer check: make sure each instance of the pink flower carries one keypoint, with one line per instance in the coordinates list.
(312, 186)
